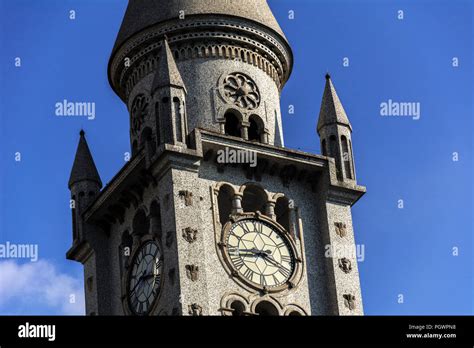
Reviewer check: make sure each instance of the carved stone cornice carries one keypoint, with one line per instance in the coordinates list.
(265, 50)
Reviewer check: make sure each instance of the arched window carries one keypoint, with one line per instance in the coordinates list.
(324, 148)
(232, 125)
(352, 159)
(334, 152)
(140, 223)
(346, 157)
(178, 119)
(238, 308)
(256, 129)
(255, 199)
(74, 221)
(157, 123)
(282, 212)
(224, 200)
(155, 219)
(146, 139)
(266, 308)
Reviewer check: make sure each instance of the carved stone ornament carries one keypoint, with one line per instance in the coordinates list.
(349, 301)
(138, 113)
(189, 234)
(345, 265)
(341, 229)
(242, 91)
(192, 272)
(195, 310)
(188, 197)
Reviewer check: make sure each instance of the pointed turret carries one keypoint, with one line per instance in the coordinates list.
(332, 111)
(84, 184)
(169, 96)
(167, 73)
(84, 168)
(335, 132)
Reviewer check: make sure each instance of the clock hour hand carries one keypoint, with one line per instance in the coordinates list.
(255, 251)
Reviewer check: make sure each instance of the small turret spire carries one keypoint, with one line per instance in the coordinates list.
(84, 167)
(167, 73)
(332, 111)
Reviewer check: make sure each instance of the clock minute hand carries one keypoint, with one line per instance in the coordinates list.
(138, 282)
(270, 258)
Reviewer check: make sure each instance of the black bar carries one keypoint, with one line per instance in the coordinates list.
(243, 331)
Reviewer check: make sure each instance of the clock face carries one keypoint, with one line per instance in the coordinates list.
(144, 281)
(260, 253)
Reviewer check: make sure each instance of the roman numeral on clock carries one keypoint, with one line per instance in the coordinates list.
(285, 271)
(238, 262)
(248, 273)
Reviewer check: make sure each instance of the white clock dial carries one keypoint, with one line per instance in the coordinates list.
(260, 253)
(144, 281)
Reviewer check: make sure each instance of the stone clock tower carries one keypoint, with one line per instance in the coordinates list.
(212, 215)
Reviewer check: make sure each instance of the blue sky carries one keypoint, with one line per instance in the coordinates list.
(408, 251)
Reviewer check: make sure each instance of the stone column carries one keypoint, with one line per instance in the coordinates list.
(237, 204)
(270, 210)
(245, 130)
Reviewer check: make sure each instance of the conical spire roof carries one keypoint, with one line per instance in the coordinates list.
(332, 111)
(167, 73)
(142, 14)
(84, 167)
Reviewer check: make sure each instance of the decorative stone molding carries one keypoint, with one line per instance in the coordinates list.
(345, 265)
(230, 39)
(291, 310)
(138, 113)
(187, 196)
(189, 234)
(195, 310)
(241, 90)
(341, 229)
(349, 301)
(192, 272)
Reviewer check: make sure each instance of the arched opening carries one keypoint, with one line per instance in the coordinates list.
(73, 210)
(140, 223)
(352, 159)
(324, 148)
(155, 219)
(255, 199)
(146, 140)
(282, 212)
(334, 152)
(238, 308)
(224, 200)
(346, 157)
(178, 119)
(157, 123)
(232, 124)
(266, 308)
(295, 314)
(256, 129)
